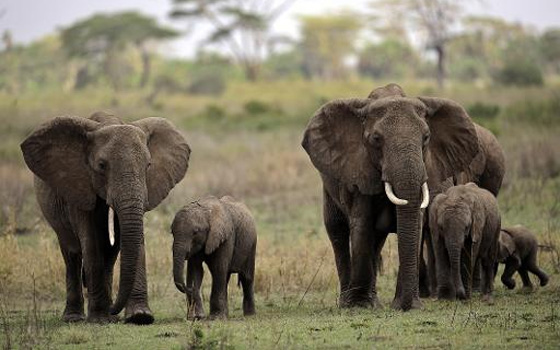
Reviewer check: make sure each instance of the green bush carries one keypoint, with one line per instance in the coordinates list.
(208, 82)
(522, 73)
(483, 110)
(254, 107)
(545, 112)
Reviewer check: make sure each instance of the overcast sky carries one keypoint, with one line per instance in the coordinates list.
(29, 20)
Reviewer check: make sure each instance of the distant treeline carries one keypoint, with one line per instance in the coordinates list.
(123, 51)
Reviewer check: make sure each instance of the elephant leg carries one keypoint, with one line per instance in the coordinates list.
(445, 289)
(512, 265)
(467, 269)
(534, 268)
(487, 269)
(218, 294)
(379, 239)
(137, 308)
(248, 295)
(524, 273)
(99, 299)
(361, 290)
(74, 310)
(195, 274)
(476, 276)
(431, 274)
(338, 230)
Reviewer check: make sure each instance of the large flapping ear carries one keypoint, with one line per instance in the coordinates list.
(453, 142)
(170, 157)
(221, 226)
(333, 140)
(57, 153)
(506, 246)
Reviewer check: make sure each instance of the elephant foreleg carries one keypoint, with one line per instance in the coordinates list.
(74, 310)
(195, 274)
(137, 308)
(338, 230)
(512, 265)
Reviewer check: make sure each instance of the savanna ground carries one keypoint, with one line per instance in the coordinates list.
(246, 143)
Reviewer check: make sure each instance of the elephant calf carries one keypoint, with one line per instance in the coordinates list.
(465, 223)
(221, 233)
(518, 251)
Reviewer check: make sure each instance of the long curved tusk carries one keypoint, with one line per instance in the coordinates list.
(111, 226)
(394, 199)
(425, 196)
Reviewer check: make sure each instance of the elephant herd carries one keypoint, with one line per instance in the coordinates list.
(419, 167)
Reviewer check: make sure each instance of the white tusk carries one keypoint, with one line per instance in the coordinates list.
(111, 226)
(394, 199)
(425, 196)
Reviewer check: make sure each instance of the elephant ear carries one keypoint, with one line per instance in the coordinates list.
(56, 153)
(453, 142)
(507, 246)
(333, 140)
(221, 227)
(170, 158)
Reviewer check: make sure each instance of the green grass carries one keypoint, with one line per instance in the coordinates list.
(252, 151)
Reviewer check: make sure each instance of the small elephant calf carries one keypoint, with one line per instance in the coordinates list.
(465, 224)
(518, 251)
(221, 233)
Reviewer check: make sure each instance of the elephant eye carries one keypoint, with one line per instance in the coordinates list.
(375, 139)
(426, 139)
(101, 165)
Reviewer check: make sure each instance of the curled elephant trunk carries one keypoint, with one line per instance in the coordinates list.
(131, 223)
(179, 253)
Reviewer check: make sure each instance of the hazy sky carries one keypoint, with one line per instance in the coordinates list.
(31, 19)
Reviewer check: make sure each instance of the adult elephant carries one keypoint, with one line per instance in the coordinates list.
(487, 170)
(378, 158)
(96, 173)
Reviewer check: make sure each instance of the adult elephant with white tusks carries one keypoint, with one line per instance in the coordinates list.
(97, 173)
(379, 157)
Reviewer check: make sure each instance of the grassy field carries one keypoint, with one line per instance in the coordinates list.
(246, 143)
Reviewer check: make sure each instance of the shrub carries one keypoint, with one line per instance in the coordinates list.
(254, 107)
(208, 82)
(545, 112)
(522, 73)
(483, 110)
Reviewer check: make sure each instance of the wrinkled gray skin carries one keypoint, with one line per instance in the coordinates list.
(465, 224)
(359, 144)
(221, 233)
(82, 167)
(518, 248)
(487, 170)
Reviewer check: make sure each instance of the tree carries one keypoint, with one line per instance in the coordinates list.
(102, 38)
(327, 40)
(550, 48)
(434, 19)
(389, 59)
(243, 26)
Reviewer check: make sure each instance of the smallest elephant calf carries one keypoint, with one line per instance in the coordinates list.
(221, 233)
(518, 251)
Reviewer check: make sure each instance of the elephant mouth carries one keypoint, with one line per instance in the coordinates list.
(111, 226)
(398, 201)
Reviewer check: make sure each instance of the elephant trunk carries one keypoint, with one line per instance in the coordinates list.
(408, 231)
(131, 223)
(454, 252)
(407, 177)
(179, 254)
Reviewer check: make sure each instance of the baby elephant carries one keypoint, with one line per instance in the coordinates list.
(221, 233)
(518, 251)
(465, 223)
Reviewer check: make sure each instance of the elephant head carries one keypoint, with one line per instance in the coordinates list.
(506, 246)
(391, 143)
(128, 168)
(200, 226)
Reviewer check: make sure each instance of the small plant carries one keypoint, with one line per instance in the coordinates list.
(255, 107)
